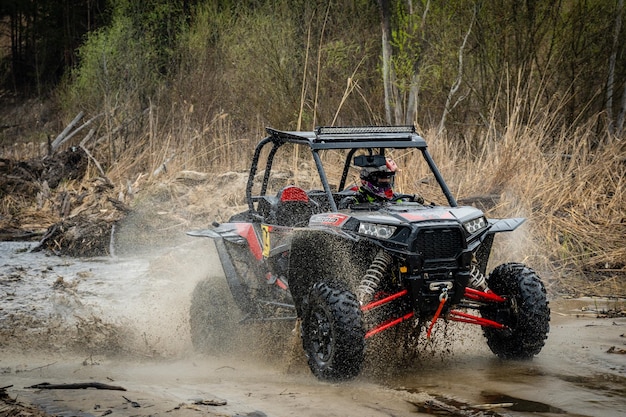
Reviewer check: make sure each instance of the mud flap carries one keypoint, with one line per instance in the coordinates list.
(234, 283)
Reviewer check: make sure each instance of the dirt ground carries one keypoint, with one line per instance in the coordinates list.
(123, 322)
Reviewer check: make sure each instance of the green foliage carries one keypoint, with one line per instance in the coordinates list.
(407, 39)
(156, 23)
(263, 64)
(286, 61)
(126, 63)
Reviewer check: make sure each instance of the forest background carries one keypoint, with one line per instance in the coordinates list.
(522, 102)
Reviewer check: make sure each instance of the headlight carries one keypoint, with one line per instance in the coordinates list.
(475, 225)
(380, 231)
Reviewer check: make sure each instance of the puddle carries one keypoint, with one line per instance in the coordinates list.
(520, 404)
(442, 406)
(613, 385)
(44, 286)
(572, 376)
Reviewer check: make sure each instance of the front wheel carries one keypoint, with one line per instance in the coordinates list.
(525, 314)
(333, 336)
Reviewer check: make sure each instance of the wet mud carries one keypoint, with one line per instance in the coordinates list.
(123, 321)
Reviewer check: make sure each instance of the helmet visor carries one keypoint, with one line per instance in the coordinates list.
(382, 177)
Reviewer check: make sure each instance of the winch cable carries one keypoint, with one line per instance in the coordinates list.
(443, 297)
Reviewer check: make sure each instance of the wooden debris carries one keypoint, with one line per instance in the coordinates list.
(214, 402)
(617, 350)
(79, 385)
(133, 404)
(59, 139)
(79, 236)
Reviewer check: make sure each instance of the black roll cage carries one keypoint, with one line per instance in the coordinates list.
(331, 137)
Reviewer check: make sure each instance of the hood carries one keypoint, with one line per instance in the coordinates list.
(397, 214)
(460, 214)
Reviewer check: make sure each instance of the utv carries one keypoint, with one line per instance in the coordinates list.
(348, 274)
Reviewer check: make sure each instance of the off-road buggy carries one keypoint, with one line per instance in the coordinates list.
(350, 274)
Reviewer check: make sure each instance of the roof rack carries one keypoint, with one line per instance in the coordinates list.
(338, 130)
(338, 137)
(364, 133)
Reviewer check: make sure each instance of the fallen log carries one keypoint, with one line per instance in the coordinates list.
(78, 385)
(59, 139)
(78, 129)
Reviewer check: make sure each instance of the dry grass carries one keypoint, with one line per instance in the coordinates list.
(573, 198)
(570, 187)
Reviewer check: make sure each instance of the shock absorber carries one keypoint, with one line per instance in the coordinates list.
(478, 281)
(371, 280)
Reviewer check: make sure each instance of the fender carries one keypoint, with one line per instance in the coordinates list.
(241, 234)
(234, 282)
(482, 246)
(504, 225)
(238, 233)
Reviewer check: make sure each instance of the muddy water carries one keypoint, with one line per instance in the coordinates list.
(136, 304)
(123, 321)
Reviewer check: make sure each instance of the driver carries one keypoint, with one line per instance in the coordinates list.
(376, 184)
(377, 179)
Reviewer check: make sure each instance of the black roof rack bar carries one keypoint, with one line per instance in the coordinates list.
(293, 136)
(365, 138)
(418, 143)
(352, 130)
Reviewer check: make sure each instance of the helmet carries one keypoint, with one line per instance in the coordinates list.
(378, 180)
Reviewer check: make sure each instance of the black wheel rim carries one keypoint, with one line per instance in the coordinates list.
(509, 316)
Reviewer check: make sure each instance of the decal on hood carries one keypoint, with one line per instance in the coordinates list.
(331, 219)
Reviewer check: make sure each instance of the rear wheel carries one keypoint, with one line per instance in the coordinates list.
(333, 336)
(213, 316)
(526, 313)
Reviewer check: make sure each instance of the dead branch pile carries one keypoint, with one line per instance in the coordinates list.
(11, 407)
(49, 198)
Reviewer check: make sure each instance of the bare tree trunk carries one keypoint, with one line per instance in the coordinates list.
(319, 65)
(612, 59)
(411, 106)
(457, 83)
(304, 71)
(59, 139)
(385, 21)
(622, 113)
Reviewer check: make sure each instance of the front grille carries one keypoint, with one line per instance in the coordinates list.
(439, 243)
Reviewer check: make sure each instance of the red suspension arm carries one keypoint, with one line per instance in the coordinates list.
(476, 295)
(388, 324)
(453, 315)
(459, 316)
(382, 301)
